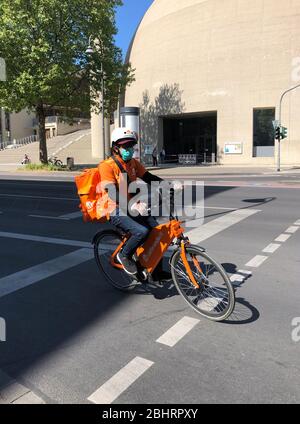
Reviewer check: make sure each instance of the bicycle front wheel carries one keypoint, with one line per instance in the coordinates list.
(105, 244)
(215, 297)
(59, 163)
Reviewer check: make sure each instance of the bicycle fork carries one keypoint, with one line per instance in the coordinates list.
(187, 265)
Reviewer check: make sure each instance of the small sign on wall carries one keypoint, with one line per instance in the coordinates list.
(148, 149)
(233, 149)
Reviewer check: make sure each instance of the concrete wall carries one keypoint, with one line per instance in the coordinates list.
(229, 56)
(21, 125)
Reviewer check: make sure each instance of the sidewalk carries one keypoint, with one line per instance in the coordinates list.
(166, 171)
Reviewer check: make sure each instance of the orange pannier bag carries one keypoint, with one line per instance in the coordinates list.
(87, 183)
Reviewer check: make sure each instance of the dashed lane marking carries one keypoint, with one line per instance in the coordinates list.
(178, 331)
(117, 384)
(292, 230)
(297, 222)
(238, 278)
(272, 248)
(257, 261)
(29, 276)
(283, 238)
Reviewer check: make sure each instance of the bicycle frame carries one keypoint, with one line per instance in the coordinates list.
(157, 243)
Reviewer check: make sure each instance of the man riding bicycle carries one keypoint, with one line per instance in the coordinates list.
(123, 142)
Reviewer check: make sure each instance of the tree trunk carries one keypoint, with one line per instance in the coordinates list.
(42, 134)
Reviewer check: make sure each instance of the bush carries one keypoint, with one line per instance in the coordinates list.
(42, 167)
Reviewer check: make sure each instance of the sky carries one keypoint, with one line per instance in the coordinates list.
(128, 17)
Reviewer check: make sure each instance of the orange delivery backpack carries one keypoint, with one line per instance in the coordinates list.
(90, 195)
(87, 183)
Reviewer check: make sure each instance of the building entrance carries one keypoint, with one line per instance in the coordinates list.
(191, 135)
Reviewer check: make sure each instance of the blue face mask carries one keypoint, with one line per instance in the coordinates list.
(127, 154)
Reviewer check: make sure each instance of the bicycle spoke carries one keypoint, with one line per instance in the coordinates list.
(213, 298)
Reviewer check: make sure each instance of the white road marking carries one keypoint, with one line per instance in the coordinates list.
(209, 304)
(73, 215)
(219, 208)
(49, 217)
(297, 222)
(203, 232)
(283, 238)
(246, 273)
(64, 242)
(178, 331)
(29, 276)
(117, 384)
(272, 248)
(240, 277)
(292, 230)
(22, 196)
(257, 261)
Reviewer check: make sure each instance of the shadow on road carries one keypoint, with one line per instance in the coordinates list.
(254, 204)
(244, 313)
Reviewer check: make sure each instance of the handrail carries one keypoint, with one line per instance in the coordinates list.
(15, 144)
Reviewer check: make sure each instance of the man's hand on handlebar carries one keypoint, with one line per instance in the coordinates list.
(141, 208)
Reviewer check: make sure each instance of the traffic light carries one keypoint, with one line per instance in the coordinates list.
(284, 132)
(278, 133)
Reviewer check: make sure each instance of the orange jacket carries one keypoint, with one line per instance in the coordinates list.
(110, 173)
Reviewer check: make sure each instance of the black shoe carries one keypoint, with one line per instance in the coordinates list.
(128, 264)
(161, 275)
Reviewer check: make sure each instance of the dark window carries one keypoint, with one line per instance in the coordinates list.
(263, 132)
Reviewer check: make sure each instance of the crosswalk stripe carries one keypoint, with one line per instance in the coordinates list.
(50, 240)
(49, 217)
(29, 276)
(178, 331)
(23, 196)
(73, 215)
(214, 227)
(117, 384)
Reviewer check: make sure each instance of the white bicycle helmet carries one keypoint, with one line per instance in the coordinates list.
(123, 135)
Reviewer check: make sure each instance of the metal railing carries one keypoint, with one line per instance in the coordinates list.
(15, 144)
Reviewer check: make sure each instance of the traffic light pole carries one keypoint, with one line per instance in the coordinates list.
(279, 124)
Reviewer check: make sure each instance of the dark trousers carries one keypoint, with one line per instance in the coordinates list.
(138, 227)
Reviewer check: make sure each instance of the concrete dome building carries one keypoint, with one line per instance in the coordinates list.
(209, 76)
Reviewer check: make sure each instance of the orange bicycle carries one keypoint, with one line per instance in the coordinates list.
(202, 282)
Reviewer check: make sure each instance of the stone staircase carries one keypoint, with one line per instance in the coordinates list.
(77, 145)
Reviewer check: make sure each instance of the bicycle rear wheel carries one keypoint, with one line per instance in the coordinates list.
(105, 244)
(215, 297)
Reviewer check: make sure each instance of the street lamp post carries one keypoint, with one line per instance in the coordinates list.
(279, 124)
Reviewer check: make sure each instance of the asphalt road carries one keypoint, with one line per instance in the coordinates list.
(68, 333)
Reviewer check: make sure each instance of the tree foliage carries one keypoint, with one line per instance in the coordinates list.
(44, 45)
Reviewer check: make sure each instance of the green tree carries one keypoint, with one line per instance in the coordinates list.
(44, 45)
